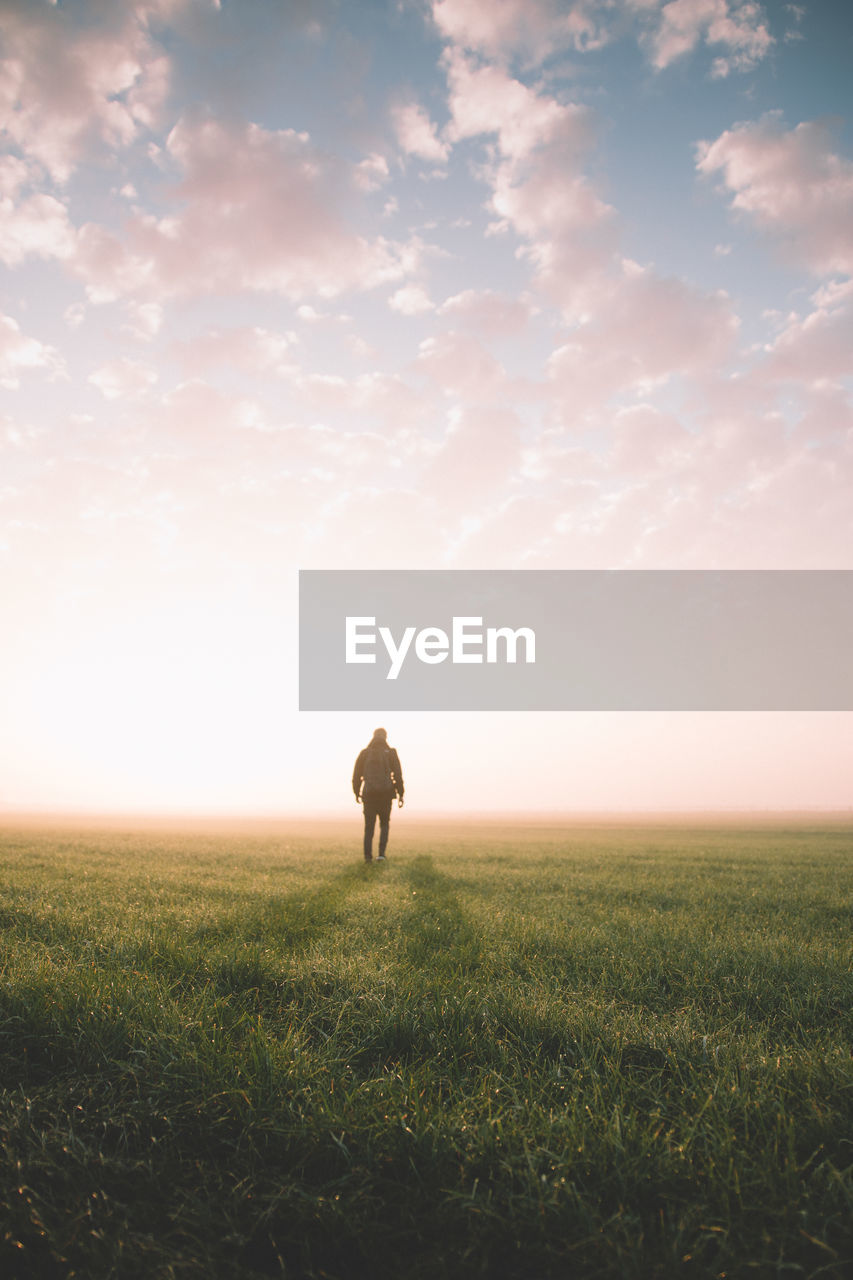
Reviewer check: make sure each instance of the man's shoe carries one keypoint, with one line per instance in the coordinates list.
(382, 858)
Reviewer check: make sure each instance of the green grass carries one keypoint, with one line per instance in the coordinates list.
(522, 1052)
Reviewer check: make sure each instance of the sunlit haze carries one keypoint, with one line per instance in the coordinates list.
(494, 284)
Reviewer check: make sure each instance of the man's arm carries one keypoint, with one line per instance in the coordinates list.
(358, 773)
(397, 773)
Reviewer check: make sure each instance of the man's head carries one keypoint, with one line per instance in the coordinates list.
(379, 735)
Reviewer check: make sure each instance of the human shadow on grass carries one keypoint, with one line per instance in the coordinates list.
(292, 923)
(224, 953)
(437, 930)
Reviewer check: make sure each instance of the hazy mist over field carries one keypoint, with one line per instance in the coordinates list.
(499, 284)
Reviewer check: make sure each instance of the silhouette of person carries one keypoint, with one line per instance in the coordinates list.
(376, 779)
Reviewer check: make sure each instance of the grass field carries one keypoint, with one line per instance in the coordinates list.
(536, 1051)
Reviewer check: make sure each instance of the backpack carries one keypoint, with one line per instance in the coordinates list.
(377, 769)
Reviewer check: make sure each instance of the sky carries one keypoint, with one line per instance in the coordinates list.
(451, 284)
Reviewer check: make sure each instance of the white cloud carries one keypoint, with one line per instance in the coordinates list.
(462, 367)
(646, 331)
(250, 349)
(818, 346)
(144, 320)
(487, 311)
(476, 459)
(538, 186)
(62, 86)
(645, 439)
(736, 25)
(534, 28)
(417, 134)
(372, 172)
(790, 182)
(37, 227)
(411, 300)
(123, 378)
(20, 353)
(259, 210)
(486, 100)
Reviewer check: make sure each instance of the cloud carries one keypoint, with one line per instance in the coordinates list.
(123, 378)
(648, 330)
(371, 173)
(461, 366)
(144, 320)
(736, 25)
(37, 227)
(477, 458)
(538, 185)
(487, 99)
(258, 210)
(488, 312)
(20, 353)
(14, 174)
(63, 87)
(381, 399)
(411, 300)
(417, 134)
(534, 28)
(816, 347)
(571, 233)
(790, 182)
(645, 439)
(250, 349)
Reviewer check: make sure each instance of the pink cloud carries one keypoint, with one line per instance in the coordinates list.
(260, 210)
(488, 312)
(382, 398)
(14, 174)
(417, 134)
(462, 367)
(536, 28)
(647, 330)
(818, 346)
(37, 227)
(61, 87)
(511, 534)
(645, 439)
(411, 300)
(736, 25)
(538, 187)
(789, 182)
(571, 234)
(20, 353)
(123, 378)
(250, 349)
(478, 456)
(827, 419)
(144, 320)
(487, 100)
(371, 173)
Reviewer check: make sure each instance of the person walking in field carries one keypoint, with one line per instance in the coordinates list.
(376, 779)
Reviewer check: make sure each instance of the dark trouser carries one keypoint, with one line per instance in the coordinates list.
(377, 804)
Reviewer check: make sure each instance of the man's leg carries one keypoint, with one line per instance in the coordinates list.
(369, 806)
(384, 811)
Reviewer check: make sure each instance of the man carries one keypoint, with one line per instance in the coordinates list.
(376, 779)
